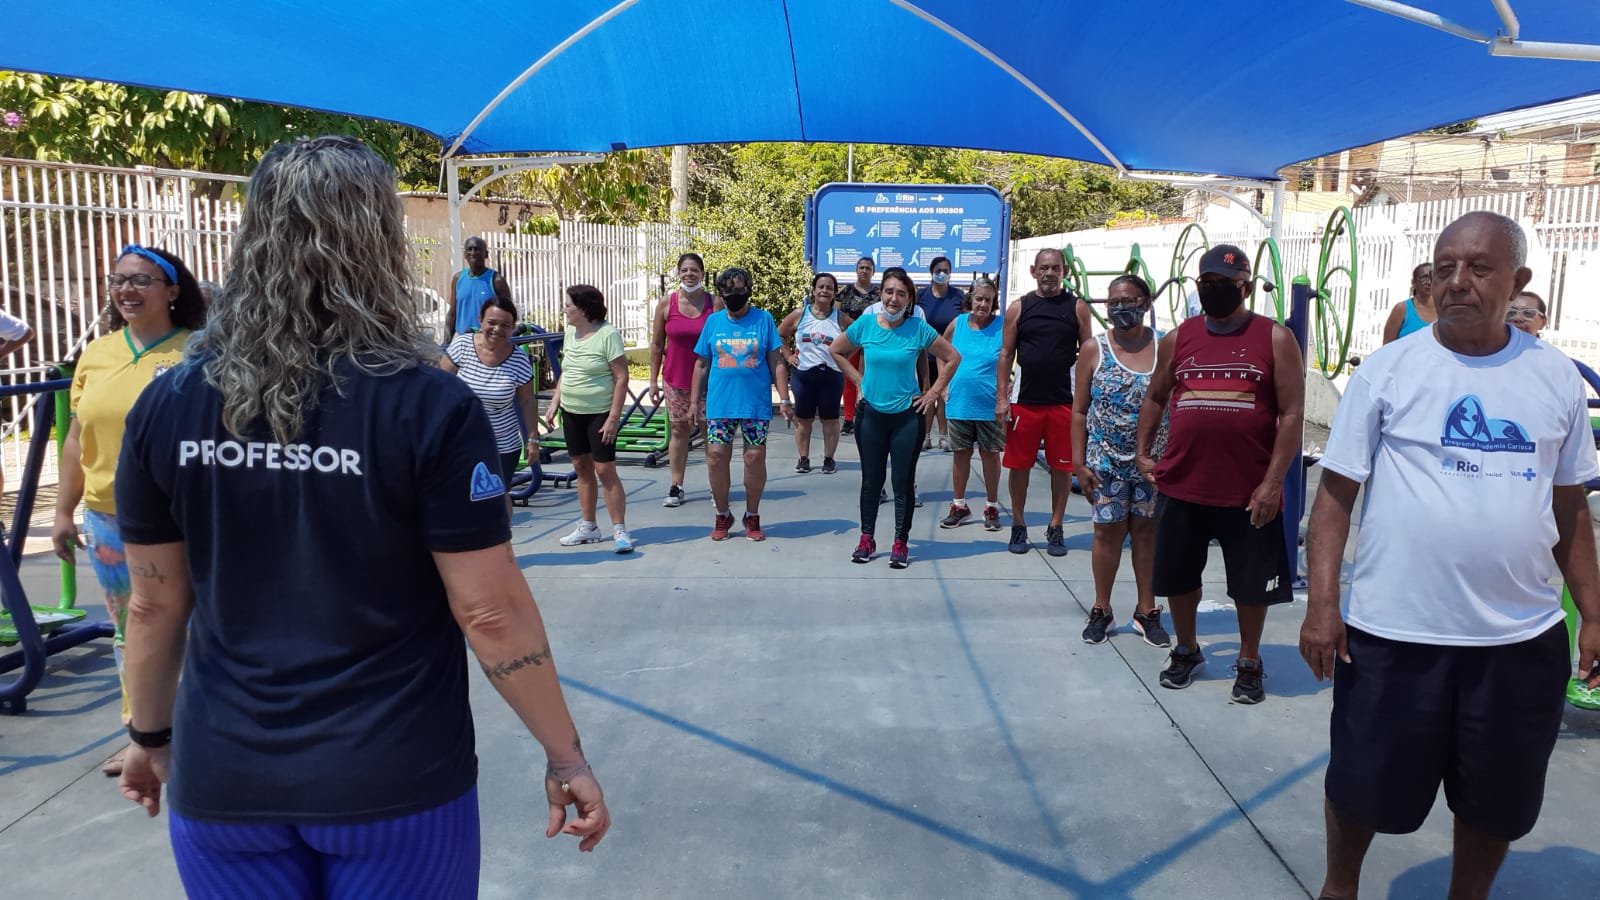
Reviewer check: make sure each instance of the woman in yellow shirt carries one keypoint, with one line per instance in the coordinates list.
(155, 303)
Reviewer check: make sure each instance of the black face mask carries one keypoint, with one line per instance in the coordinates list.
(735, 302)
(1125, 316)
(1219, 299)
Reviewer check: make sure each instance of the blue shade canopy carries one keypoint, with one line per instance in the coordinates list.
(1234, 87)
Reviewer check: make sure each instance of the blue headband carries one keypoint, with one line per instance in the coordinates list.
(163, 265)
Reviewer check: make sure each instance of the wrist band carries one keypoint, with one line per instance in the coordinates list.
(150, 740)
(565, 778)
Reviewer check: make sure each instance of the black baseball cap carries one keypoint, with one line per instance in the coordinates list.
(1225, 260)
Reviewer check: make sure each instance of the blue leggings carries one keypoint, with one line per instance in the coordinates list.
(431, 854)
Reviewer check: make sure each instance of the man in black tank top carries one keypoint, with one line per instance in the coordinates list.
(1042, 333)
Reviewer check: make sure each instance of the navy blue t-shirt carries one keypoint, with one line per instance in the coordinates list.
(326, 680)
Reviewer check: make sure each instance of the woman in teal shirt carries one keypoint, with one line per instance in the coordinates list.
(890, 418)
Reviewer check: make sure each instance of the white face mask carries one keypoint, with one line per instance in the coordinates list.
(894, 316)
(691, 288)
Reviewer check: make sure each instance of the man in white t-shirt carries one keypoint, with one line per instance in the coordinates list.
(1450, 655)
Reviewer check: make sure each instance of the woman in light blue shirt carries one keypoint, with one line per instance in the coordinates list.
(970, 407)
(890, 418)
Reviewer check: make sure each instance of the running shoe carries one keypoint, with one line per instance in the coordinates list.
(899, 556)
(752, 527)
(1055, 544)
(719, 531)
(1182, 663)
(1019, 539)
(849, 427)
(916, 498)
(828, 468)
(1148, 626)
(674, 497)
(864, 549)
(991, 518)
(944, 443)
(927, 442)
(1247, 681)
(804, 465)
(585, 533)
(1098, 626)
(958, 513)
(624, 543)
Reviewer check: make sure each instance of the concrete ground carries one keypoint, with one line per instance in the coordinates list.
(770, 720)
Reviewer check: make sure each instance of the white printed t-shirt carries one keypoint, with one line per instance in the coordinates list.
(1459, 455)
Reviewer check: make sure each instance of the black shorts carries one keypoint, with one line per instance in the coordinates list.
(817, 392)
(508, 465)
(1256, 559)
(582, 431)
(1481, 720)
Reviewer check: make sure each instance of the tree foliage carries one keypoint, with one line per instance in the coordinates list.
(64, 119)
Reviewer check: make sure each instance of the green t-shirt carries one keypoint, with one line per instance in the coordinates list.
(586, 380)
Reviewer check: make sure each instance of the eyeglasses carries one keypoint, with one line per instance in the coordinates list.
(137, 282)
(1518, 313)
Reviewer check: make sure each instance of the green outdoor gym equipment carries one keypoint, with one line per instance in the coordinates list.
(65, 612)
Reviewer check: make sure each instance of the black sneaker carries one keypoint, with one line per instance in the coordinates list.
(1055, 544)
(828, 468)
(804, 465)
(958, 514)
(1247, 681)
(1182, 663)
(674, 497)
(1019, 539)
(1098, 626)
(1148, 626)
(848, 428)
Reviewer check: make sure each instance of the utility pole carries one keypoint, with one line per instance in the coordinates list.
(680, 181)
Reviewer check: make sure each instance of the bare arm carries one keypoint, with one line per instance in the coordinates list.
(842, 349)
(69, 493)
(780, 380)
(702, 368)
(1391, 325)
(658, 347)
(1085, 324)
(1008, 355)
(450, 310)
(1322, 634)
(157, 630)
(619, 397)
(1154, 407)
(1288, 376)
(491, 602)
(501, 288)
(10, 347)
(1575, 556)
(447, 364)
(528, 403)
(790, 325)
(1082, 374)
(949, 360)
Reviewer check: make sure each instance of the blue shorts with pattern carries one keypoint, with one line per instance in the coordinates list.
(720, 431)
(1118, 498)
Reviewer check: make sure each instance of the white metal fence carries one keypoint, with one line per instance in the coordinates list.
(1563, 226)
(61, 226)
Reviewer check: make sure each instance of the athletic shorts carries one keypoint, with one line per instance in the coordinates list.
(678, 409)
(1256, 559)
(983, 434)
(582, 431)
(754, 431)
(1482, 721)
(817, 393)
(1118, 498)
(1031, 425)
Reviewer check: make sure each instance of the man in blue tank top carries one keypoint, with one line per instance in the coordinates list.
(472, 286)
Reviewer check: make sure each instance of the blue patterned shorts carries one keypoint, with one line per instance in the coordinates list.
(720, 431)
(1119, 498)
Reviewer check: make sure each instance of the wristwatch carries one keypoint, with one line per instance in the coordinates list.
(150, 740)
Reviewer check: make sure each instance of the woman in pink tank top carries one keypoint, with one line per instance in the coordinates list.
(678, 321)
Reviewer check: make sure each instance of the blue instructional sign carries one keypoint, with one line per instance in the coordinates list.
(907, 225)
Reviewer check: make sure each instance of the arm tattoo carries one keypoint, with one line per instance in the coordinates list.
(504, 669)
(148, 571)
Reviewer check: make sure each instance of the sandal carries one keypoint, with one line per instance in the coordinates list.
(112, 767)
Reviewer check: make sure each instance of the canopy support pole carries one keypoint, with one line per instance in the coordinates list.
(1275, 230)
(500, 167)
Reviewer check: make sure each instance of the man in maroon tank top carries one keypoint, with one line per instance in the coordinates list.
(1236, 384)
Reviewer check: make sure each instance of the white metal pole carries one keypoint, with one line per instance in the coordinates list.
(453, 189)
(1276, 229)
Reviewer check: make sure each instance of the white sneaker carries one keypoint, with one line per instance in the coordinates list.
(624, 543)
(674, 497)
(583, 534)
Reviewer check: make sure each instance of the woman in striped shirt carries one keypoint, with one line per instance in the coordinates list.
(502, 377)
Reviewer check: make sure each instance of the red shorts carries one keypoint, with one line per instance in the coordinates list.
(1031, 425)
